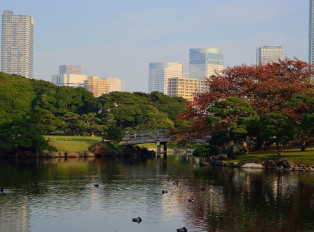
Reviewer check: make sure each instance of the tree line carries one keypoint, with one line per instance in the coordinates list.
(36, 107)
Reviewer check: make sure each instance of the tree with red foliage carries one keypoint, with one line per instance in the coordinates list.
(266, 88)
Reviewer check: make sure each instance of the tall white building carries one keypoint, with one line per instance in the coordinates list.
(159, 74)
(67, 78)
(116, 84)
(17, 43)
(311, 33)
(266, 54)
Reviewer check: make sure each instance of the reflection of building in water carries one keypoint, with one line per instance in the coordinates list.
(14, 214)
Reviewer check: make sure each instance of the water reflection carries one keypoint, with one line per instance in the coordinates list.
(233, 199)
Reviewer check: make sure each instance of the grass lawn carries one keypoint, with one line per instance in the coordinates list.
(73, 143)
(293, 155)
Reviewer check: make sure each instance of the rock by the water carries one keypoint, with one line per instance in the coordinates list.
(252, 165)
(73, 154)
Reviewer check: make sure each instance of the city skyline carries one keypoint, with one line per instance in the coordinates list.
(115, 39)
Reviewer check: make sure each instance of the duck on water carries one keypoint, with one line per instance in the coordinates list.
(138, 219)
(2, 192)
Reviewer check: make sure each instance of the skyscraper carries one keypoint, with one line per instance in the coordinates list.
(70, 69)
(159, 74)
(17, 43)
(205, 62)
(266, 54)
(311, 33)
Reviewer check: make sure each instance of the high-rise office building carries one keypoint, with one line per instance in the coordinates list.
(266, 54)
(205, 62)
(311, 33)
(17, 43)
(116, 84)
(70, 69)
(159, 74)
(67, 78)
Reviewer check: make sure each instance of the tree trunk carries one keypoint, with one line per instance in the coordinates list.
(259, 144)
(230, 153)
(279, 150)
(303, 146)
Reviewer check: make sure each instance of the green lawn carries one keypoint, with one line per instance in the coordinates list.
(293, 155)
(73, 143)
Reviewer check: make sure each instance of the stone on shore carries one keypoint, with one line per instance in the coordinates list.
(252, 166)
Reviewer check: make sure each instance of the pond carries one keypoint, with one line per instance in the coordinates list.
(225, 199)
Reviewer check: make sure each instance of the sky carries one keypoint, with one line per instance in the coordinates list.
(120, 38)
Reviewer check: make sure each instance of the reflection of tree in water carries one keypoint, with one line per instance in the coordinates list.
(237, 200)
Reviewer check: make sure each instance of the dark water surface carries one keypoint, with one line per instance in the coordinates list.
(234, 200)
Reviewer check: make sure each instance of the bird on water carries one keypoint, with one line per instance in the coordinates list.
(138, 219)
(183, 229)
(164, 191)
(2, 192)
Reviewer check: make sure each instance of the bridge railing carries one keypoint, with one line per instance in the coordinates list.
(145, 134)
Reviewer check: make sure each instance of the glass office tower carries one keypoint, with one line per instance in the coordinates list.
(205, 62)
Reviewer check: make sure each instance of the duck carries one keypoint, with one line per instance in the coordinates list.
(164, 191)
(96, 185)
(2, 192)
(138, 219)
(203, 189)
(191, 200)
(175, 183)
(183, 229)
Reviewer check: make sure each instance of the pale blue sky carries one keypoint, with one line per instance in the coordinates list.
(119, 38)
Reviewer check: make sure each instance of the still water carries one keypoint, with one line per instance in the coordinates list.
(233, 200)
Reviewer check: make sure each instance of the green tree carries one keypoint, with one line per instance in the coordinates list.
(230, 116)
(92, 123)
(72, 123)
(21, 134)
(278, 129)
(299, 109)
(154, 120)
(114, 134)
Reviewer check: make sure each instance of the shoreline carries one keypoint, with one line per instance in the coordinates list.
(283, 165)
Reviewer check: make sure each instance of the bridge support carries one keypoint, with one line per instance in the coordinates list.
(159, 144)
